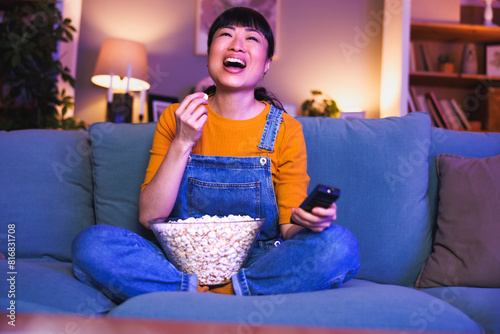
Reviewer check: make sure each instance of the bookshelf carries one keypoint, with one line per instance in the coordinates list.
(472, 91)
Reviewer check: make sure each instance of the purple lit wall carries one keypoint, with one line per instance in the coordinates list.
(322, 45)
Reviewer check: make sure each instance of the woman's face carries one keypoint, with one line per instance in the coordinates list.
(237, 58)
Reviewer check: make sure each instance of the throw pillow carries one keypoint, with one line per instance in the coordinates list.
(466, 250)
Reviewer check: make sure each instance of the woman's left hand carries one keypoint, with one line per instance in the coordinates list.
(317, 220)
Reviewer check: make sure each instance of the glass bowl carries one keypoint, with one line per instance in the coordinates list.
(214, 248)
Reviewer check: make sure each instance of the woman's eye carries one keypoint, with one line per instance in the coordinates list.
(253, 39)
(225, 34)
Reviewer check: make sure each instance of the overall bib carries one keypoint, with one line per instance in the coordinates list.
(122, 264)
(215, 185)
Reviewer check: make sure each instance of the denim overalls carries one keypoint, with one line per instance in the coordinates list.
(214, 185)
(121, 264)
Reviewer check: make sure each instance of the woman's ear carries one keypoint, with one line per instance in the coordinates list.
(267, 66)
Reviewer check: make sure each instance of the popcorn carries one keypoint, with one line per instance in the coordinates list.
(211, 247)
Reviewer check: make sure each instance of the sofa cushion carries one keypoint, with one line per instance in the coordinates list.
(462, 143)
(51, 287)
(480, 304)
(120, 153)
(46, 190)
(357, 304)
(466, 251)
(381, 167)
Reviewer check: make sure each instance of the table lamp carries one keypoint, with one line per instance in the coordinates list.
(122, 67)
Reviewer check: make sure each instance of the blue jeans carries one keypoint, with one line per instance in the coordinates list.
(121, 264)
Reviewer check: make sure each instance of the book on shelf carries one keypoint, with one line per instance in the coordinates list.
(421, 104)
(443, 117)
(453, 119)
(413, 60)
(435, 115)
(426, 58)
(460, 114)
(445, 113)
(413, 95)
(411, 104)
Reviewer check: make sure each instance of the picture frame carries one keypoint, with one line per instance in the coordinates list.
(208, 10)
(493, 60)
(157, 104)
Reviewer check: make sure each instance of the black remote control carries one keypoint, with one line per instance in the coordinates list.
(322, 195)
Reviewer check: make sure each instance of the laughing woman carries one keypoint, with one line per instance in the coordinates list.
(237, 126)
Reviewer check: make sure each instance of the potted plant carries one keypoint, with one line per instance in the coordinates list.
(446, 63)
(320, 105)
(30, 33)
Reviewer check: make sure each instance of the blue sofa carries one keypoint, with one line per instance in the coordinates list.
(53, 184)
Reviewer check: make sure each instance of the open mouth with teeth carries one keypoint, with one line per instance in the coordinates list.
(234, 62)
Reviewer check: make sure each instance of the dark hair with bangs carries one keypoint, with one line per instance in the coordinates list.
(247, 18)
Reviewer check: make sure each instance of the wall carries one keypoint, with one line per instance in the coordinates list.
(323, 44)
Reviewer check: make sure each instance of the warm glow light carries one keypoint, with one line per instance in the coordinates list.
(122, 58)
(395, 60)
(390, 97)
(352, 109)
(120, 84)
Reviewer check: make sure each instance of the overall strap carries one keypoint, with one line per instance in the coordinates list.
(271, 128)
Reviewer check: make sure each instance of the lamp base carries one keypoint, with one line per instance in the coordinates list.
(120, 110)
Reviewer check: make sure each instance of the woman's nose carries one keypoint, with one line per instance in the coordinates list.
(237, 45)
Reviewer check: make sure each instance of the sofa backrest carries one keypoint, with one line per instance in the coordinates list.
(46, 195)
(120, 156)
(381, 167)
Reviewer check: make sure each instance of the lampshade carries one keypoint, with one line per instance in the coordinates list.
(122, 58)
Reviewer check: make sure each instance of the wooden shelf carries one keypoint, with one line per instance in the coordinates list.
(456, 80)
(449, 32)
(446, 38)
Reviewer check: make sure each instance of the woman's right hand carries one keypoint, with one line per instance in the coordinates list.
(190, 117)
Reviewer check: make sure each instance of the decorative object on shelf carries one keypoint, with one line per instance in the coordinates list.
(156, 105)
(488, 13)
(351, 114)
(469, 59)
(30, 36)
(493, 60)
(320, 105)
(446, 64)
(122, 67)
(208, 10)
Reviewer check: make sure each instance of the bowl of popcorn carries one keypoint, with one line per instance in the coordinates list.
(212, 247)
